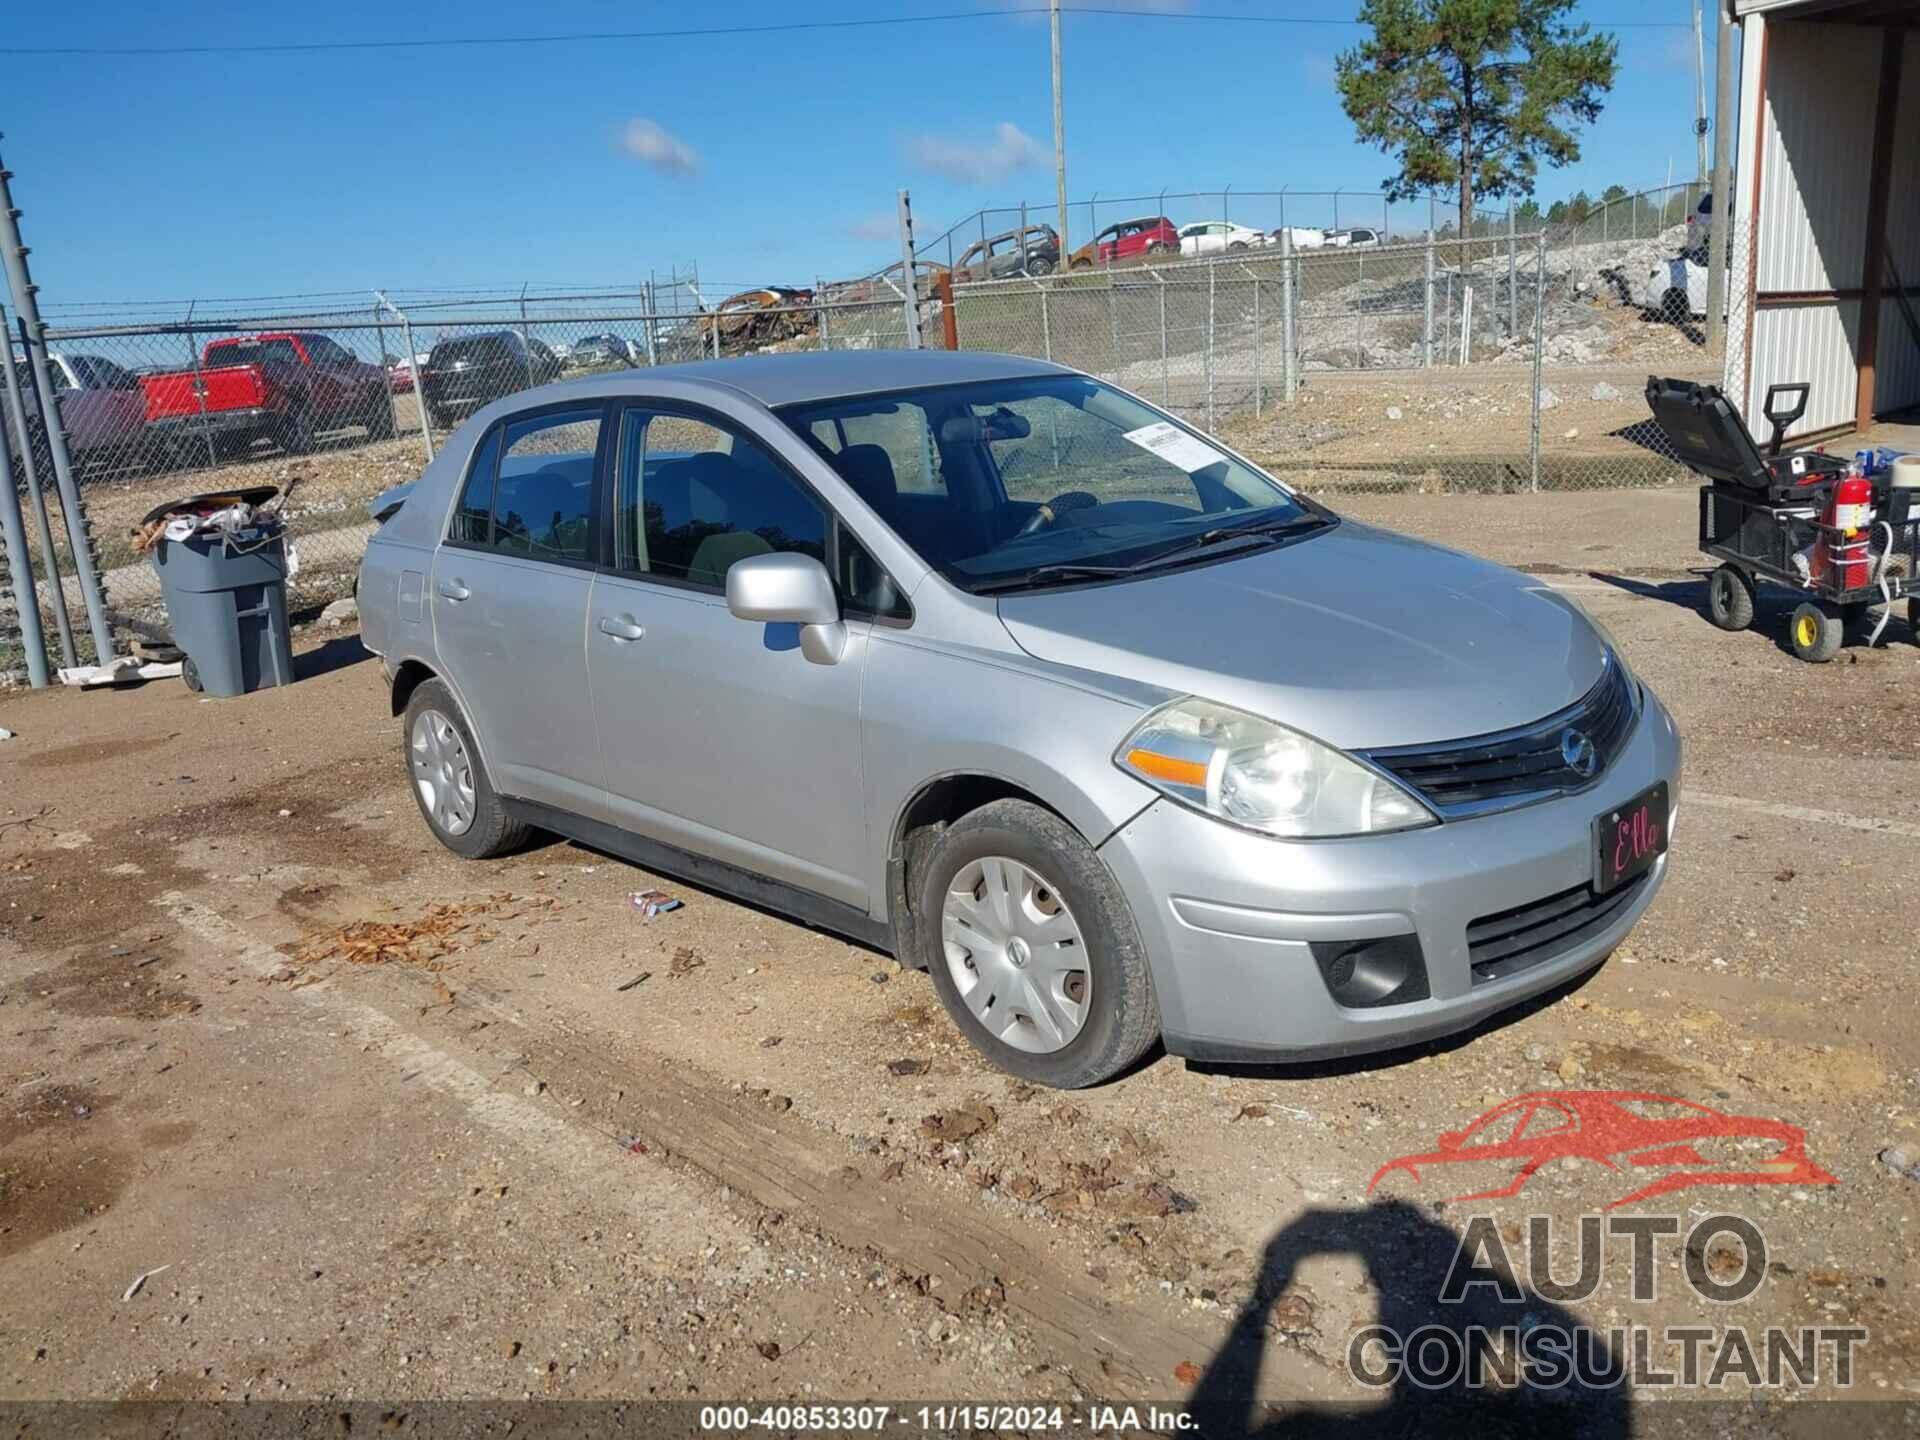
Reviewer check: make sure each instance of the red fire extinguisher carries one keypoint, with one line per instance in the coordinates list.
(1843, 543)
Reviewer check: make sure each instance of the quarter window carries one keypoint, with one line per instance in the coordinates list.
(693, 498)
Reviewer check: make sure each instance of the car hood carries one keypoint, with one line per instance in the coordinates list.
(1357, 636)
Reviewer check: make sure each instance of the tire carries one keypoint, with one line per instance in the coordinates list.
(1238, 245)
(1039, 265)
(1815, 632)
(1047, 871)
(296, 431)
(436, 735)
(1675, 309)
(1160, 247)
(190, 674)
(379, 414)
(1730, 598)
(1081, 265)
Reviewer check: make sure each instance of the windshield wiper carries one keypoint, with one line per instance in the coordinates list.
(1265, 532)
(1052, 575)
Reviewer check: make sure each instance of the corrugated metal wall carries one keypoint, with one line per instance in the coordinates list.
(1810, 223)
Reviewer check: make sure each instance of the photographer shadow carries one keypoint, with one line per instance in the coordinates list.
(1407, 1257)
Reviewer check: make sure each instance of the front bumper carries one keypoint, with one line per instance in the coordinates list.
(1228, 917)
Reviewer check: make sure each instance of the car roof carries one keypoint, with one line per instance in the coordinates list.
(776, 380)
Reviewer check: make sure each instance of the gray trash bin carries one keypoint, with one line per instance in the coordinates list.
(226, 594)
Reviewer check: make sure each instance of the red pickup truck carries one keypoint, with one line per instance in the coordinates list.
(286, 386)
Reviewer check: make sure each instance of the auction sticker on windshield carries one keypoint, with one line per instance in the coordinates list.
(1175, 446)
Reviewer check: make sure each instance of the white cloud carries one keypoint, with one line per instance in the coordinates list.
(1008, 149)
(874, 228)
(652, 144)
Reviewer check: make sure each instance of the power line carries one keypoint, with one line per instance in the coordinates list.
(704, 32)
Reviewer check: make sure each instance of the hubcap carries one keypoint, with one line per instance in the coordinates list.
(1808, 632)
(441, 772)
(1016, 955)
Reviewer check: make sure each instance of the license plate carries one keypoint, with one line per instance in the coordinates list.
(1627, 840)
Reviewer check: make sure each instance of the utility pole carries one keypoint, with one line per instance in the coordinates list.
(1059, 130)
(1699, 94)
(1720, 224)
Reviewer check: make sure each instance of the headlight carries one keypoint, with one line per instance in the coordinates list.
(1252, 772)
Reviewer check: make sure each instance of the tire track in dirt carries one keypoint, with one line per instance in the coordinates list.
(963, 1249)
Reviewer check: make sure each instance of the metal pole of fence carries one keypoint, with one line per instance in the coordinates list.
(199, 386)
(1165, 389)
(1289, 378)
(419, 378)
(653, 324)
(1023, 241)
(34, 332)
(37, 499)
(1046, 325)
(820, 312)
(26, 598)
(1257, 348)
(1539, 346)
(1209, 350)
(1446, 326)
(1113, 322)
(1359, 275)
(1513, 293)
(526, 339)
(1426, 328)
(912, 302)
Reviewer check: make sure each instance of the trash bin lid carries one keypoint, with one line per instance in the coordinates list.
(216, 500)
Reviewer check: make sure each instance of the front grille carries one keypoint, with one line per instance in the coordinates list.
(1513, 940)
(1516, 767)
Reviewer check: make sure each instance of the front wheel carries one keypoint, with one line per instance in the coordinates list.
(1040, 265)
(1033, 949)
(1730, 598)
(1815, 632)
(296, 431)
(379, 414)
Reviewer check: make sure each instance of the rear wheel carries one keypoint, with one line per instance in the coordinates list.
(1032, 947)
(1730, 598)
(190, 674)
(1039, 265)
(379, 413)
(296, 431)
(449, 783)
(1815, 632)
(1160, 247)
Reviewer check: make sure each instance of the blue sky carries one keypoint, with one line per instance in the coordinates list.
(769, 159)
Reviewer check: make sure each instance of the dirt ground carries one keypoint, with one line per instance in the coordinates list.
(376, 1124)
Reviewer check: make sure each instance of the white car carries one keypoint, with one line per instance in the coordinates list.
(1675, 289)
(1359, 238)
(1216, 237)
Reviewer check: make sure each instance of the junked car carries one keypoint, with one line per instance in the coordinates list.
(1217, 237)
(987, 663)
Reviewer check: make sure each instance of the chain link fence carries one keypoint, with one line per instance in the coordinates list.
(1491, 362)
(336, 407)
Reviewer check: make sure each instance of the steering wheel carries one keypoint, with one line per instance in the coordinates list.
(1059, 505)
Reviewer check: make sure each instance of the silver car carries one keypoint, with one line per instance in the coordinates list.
(994, 666)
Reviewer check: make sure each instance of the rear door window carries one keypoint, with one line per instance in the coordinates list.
(530, 490)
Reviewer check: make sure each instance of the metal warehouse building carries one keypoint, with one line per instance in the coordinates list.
(1827, 209)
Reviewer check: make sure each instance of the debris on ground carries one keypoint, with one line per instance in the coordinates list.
(1250, 1112)
(769, 1349)
(684, 962)
(122, 670)
(140, 1280)
(640, 979)
(652, 902)
(908, 1067)
(5, 734)
(962, 1122)
(343, 611)
(769, 1042)
(443, 931)
(1902, 1160)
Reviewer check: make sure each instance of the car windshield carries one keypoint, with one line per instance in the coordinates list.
(1005, 484)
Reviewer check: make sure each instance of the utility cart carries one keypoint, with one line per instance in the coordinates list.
(1840, 534)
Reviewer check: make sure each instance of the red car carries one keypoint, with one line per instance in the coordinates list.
(1129, 240)
(283, 386)
(1622, 1130)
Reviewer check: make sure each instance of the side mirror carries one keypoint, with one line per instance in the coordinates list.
(790, 589)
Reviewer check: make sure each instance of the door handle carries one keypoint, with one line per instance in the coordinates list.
(621, 627)
(454, 590)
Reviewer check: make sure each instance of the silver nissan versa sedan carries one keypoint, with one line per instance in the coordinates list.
(995, 666)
